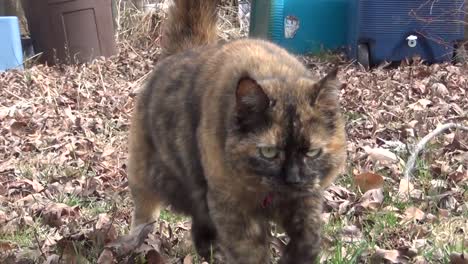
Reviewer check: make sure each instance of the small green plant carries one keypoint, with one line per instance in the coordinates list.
(23, 237)
(347, 252)
(171, 217)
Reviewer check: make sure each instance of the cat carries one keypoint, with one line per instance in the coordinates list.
(236, 135)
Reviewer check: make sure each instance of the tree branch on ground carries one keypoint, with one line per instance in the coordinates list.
(421, 145)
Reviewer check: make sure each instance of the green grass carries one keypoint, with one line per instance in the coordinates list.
(98, 207)
(71, 200)
(89, 205)
(423, 174)
(442, 254)
(347, 253)
(346, 180)
(25, 170)
(351, 116)
(171, 217)
(384, 219)
(342, 252)
(50, 172)
(23, 237)
(326, 55)
(80, 249)
(383, 229)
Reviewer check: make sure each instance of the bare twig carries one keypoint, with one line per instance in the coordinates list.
(36, 237)
(103, 84)
(420, 146)
(114, 214)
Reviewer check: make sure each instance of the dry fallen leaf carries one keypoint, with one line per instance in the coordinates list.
(104, 231)
(392, 256)
(351, 234)
(106, 257)
(3, 217)
(439, 89)
(56, 214)
(108, 151)
(23, 185)
(69, 254)
(372, 199)
(65, 128)
(153, 257)
(420, 260)
(340, 192)
(459, 177)
(188, 259)
(128, 243)
(19, 128)
(406, 190)
(338, 198)
(53, 259)
(419, 243)
(7, 246)
(413, 213)
(368, 181)
(449, 202)
(420, 105)
(384, 156)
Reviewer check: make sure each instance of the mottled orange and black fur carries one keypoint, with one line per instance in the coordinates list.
(235, 135)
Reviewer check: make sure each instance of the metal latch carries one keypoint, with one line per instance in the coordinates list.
(412, 41)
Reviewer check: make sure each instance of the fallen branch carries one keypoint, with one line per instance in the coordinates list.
(420, 146)
(36, 237)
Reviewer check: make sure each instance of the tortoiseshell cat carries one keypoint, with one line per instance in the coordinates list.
(235, 135)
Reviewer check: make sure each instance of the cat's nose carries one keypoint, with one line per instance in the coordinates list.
(293, 180)
(293, 176)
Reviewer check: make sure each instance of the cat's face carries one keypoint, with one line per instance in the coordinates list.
(288, 133)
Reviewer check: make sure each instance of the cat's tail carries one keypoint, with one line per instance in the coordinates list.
(191, 23)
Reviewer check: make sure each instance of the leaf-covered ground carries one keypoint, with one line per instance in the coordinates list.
(63, 188)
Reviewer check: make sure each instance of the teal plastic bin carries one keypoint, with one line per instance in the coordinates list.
(301, 26)
(11, 52)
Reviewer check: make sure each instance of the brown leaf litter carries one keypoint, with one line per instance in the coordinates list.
(63, 188)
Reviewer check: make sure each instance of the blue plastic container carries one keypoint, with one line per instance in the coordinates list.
(11, 52)
(301, 26)
(392, 30)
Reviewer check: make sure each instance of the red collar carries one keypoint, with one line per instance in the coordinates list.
(268, 200)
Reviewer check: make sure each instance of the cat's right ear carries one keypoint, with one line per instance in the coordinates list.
(251, 104)
(250, 97)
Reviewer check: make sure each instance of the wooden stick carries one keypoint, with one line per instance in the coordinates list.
(420, 146)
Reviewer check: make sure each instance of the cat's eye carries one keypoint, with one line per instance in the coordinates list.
(314, 153)
(269, 152)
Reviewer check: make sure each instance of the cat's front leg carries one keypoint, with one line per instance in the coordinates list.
(302, 222)
(243, 237)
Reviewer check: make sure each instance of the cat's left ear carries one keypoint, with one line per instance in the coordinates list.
(326, 92)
